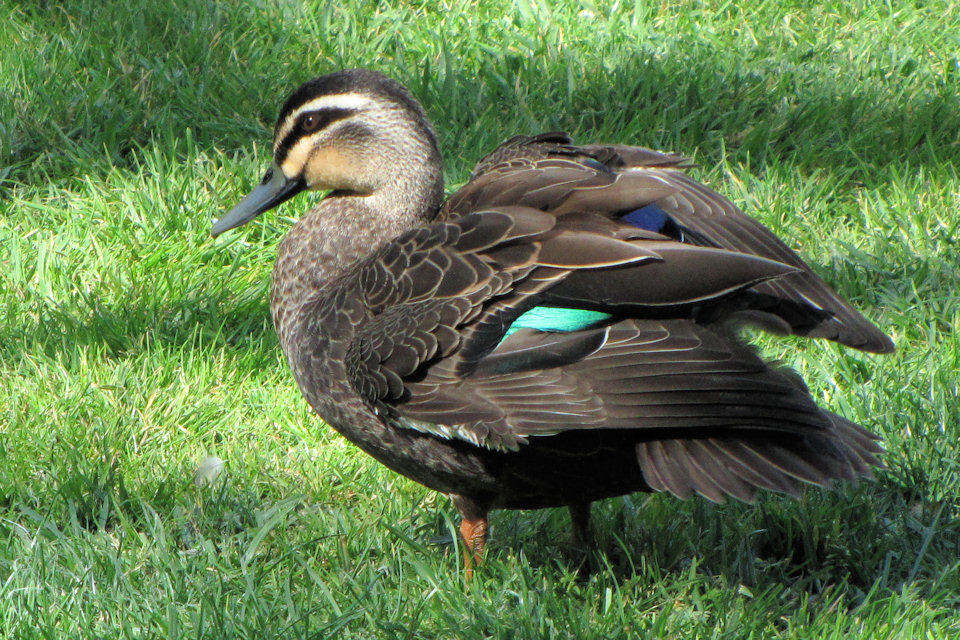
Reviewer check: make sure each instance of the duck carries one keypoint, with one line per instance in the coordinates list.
(562, 329)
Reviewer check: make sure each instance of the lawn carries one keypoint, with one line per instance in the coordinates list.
(132, 346)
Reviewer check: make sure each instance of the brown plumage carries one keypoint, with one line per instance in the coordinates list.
(412, 327)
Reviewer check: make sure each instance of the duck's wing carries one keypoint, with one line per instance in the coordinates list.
(617, 181)
(447, 294)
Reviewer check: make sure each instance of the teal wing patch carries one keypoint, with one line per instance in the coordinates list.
(557, 319)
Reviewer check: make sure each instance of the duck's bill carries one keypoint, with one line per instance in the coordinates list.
(272, 190)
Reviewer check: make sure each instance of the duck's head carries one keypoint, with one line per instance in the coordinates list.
(356, 133)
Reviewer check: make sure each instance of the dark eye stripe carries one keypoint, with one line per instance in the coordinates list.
(325, 117)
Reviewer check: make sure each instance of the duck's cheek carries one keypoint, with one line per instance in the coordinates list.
(336, 167)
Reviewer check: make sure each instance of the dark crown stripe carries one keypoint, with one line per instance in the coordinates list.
(360, 81)
(327, 116)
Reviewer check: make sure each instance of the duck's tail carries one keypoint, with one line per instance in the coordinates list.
(739, 466)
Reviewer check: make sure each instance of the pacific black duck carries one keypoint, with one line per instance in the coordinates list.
(557, 332)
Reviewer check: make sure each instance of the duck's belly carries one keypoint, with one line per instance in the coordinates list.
(546, 471)
(576, 466)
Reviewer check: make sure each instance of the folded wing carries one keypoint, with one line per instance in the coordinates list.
(551, 173)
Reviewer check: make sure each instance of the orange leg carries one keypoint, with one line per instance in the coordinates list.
(474, 534)
(473, 530)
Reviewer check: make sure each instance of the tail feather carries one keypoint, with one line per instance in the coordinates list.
(740, 466)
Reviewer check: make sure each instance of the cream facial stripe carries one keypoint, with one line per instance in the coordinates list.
(296, 158)
(351, 101)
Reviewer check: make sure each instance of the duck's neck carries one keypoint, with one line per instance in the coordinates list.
(342, 229)
(409, 198)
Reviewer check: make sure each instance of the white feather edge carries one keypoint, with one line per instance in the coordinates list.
(465, 431)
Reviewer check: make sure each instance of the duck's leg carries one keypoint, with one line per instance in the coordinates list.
(580, 525)
(473, 530)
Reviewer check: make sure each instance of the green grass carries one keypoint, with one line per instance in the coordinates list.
(132, 345)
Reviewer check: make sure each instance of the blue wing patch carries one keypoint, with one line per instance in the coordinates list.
(652, 218)
(649, 217)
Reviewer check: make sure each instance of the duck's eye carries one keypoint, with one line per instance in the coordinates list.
(309, 123)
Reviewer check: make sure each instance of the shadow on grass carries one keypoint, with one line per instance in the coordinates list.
(206, 321)
(196, 67)
(877, 537)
